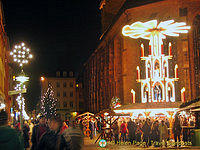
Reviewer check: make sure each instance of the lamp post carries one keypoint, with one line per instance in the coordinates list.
(22, 79)
(21, 54)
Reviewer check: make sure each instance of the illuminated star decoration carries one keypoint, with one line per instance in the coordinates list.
(147, 29)
(21, 54)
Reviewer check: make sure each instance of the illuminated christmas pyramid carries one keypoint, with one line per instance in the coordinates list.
(157, 85)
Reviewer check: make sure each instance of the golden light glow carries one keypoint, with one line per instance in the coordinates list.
(182, 90)
(153, 112)
(74, 114)
(42, 78)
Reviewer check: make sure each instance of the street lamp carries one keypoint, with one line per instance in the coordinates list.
(22, 79)
(21, 54)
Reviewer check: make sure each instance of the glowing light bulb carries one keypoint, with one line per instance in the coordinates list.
(30, 56)
(23, 44)
(11, 53)
(27, 49)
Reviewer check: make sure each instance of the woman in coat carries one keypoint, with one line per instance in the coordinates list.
(163, 133)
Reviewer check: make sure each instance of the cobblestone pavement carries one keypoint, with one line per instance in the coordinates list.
(90, 145)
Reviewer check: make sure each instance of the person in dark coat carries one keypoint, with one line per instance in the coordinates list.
(38, 131)
(26, 130)
(146, 129)
(116, 132)
(177, 129)
(155, 133)
(185, 130)
(10, 139)
(53, 139)
(131, 130)
(76, 135)
(138, 132)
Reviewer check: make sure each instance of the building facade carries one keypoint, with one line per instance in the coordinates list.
(66, 91)
(111, 71)
(4, 64)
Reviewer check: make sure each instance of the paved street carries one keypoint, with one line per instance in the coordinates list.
(89, 145)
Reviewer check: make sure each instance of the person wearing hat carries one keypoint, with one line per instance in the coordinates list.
(38, 131)
(54, 139)
(9, 138)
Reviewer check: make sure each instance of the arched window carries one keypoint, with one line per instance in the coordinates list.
(156, 70)
(157, 92)
(169, 92)
(196, 43)
(146, 93)
(149, 70)
(165, 69)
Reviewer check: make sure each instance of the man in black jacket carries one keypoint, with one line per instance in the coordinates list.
(53, 139)
(38, 131)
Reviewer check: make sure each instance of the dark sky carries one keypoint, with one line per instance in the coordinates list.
(60, 33)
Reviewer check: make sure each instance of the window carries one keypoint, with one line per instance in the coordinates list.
(65, 104)
(71, 94)
(64, 94)
(71, 74)
(57, 84)
(71, 84)
(58, 94)
(64, 73)
(64, 84)
(58, 73)
(71, 104)
(182, 12)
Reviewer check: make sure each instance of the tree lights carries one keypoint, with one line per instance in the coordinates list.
(157, 86)
(48, 103)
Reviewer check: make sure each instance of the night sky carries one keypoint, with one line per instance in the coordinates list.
(60, 33)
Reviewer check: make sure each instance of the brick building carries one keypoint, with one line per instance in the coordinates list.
(4, 64)
(111, 69)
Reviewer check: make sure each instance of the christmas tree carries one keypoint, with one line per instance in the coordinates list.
(48, 103)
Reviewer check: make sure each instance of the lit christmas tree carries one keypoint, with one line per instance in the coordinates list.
(48, 103)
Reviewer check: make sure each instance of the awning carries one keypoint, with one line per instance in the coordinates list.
(193, 110)
(191, 106)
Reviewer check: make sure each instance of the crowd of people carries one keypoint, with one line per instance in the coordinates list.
(47, 134)
(146, 132)
(55, 134)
